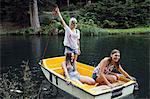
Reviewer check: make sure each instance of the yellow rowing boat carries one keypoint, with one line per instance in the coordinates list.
(53, 71)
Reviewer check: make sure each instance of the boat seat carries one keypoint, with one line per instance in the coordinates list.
(85, 71)
(53, 66)
(56, 68)
(59, 70)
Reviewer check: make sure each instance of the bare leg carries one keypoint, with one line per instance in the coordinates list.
(110, 78)
(76, 80)
(87, 80)
(117, 75)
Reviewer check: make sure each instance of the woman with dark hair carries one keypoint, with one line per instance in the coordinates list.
(71, 71)
(103, 72)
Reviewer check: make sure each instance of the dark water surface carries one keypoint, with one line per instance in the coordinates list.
(135, 55)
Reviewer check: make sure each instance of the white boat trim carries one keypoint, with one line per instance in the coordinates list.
(60, 82)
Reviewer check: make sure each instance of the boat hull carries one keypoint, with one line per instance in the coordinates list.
(84, 93)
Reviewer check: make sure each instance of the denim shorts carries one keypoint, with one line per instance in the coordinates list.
(94, 76)
(70, 50)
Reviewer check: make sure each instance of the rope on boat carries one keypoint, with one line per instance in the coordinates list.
(41, 56)
(45, 48)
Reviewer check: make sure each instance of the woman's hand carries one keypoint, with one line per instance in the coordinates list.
(56, 11)
(110, 85)
(79, 51)
(68, 80)
(131, 78)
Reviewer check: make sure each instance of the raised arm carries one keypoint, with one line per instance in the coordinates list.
(61, 18)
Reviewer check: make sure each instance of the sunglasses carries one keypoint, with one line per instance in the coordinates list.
(74, 22)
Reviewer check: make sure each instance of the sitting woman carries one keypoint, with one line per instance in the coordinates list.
(72, 73)
(103, 74)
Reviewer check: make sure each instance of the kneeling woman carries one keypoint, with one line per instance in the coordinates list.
(103, 72)
(71, 71)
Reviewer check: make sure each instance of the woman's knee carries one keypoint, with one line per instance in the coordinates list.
(87, 80)
(113, 78)
(99, 80)
(91, 81)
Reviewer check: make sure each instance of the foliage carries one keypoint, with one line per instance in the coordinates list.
(90, 30)
(94, 30)
(99, 14)
(25, 31)
(46, 5)
(117, 14)
(15, 11)
(18, 10)
(71, 7)
(51, 25)
(52, 28)
(46, 29)
(66, 16)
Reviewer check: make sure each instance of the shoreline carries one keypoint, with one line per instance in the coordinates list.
(85, 30)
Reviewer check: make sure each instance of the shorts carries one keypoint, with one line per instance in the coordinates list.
(70, 50)
(94, 76)
(74, 75)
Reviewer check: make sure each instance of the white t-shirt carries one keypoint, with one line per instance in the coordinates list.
(71, 37)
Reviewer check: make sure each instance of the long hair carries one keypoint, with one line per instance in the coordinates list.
(113, 52)
(68, 59)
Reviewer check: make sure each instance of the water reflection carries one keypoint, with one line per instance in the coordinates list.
(134, 56)
(36, 47)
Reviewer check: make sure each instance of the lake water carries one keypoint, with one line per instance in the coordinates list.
(135, 56)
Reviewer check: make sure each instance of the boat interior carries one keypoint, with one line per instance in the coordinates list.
(54, 65)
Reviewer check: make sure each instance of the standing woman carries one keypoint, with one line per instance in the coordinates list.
(72, 35)
(103, 72)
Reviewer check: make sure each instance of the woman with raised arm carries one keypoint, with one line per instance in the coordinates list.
(103, 72)
(72, 35)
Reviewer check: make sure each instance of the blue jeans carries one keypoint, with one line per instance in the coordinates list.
(70, 50)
